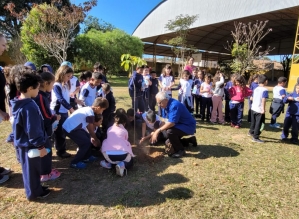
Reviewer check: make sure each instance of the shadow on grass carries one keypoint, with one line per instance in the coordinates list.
(218, 151)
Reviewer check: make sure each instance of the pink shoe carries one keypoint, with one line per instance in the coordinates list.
(52, 176)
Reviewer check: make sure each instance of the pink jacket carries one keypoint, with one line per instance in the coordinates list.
(117, 140)
(238, 94)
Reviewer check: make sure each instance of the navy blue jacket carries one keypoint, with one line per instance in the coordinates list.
(137, 79)
(28, 125)
(293, 108)
(43, 103)
(154, 88)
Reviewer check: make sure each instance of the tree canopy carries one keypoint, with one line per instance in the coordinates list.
(92, 22)
(106, 48)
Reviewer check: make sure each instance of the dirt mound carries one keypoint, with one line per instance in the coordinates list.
(148, 154)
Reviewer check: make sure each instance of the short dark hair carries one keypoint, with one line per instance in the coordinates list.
(282, 80)
(25, 80)
(151, 116)
(97, 76)
(101, 102)
(98, 65)
(130, 112)
(120, 111)
(262, 79)
(46, 77)
(98, 117)
(84, 75)
(106, 87)
(120, 119)
(153, 72)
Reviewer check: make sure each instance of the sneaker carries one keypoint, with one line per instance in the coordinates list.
(257, 140)
(105, 164)
(178, 154)
(51, 176)
(277, 126)
(120, 169)
(249, 134)
(45, 193)
(237, 126)
(64, 155)
(79, 165)
(4, 171)
(3, 178)
(91, 159)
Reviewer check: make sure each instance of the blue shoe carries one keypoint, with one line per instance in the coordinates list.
(90, 159)
(105, 164)
(79, 165)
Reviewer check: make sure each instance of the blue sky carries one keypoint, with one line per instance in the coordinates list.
(124, 15)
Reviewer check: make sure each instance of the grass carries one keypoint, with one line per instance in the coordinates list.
(234, 179)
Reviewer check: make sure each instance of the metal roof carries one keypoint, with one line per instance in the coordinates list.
(216, 20)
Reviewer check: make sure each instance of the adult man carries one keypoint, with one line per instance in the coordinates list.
(179, 123)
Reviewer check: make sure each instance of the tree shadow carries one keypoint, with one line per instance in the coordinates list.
(206, 151)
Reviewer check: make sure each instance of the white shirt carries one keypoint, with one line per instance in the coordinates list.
(278, 91)
(78, 118)
(91, 96)
(258, 94)
(186, 87)
(73, 82)
(166, 81)
(148, 124)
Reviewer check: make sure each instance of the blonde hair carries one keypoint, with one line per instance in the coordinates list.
(61, 72)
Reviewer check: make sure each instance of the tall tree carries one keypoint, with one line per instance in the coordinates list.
(92, 22)
(245, 45)
(181, 25)
(107, 48)
(53, 26)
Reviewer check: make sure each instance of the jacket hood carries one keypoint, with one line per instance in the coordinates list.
(48, 66)
(17, 104)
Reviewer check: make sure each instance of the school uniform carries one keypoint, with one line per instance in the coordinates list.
(186, 94)
(257, 118)
(138, 102)
(75, 128)
(153, 90)
(44, 105)
(74, 82)
(146, 89)
(228, 85)
(29, 133)
(291, 118)
(197, 99)
(277, 104)
(88, 94)
(252, 87)
(107, 113)
(60, 104)
(206, 102)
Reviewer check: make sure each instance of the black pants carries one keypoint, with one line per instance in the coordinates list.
(146, 99)
(227, 111)
(139, 104)
(59, 136)
(121, 158)
(152, 102)
(206, 107)
(174, 136)
(257, 119)
(197, 99)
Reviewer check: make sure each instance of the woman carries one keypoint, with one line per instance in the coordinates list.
(190, 67)
(3, 115)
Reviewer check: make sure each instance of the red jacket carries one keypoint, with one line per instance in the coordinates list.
(238, 94)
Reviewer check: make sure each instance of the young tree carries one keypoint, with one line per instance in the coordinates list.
(245, 47)
(53, 26)
(181, 25)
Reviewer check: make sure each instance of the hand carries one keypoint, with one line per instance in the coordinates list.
(72, 110)
(43, 152)
(154, 137)
(72, 95)
(80, 102)
(95, 142)
(4, 115)
(263, 111)
(58, 117)
(142, 140)
(250, 98)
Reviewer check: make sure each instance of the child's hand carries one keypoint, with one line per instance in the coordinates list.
(95, 142)
(43, 152)
(58, 117)
(72, 110)
(80, 102)
(142, 140)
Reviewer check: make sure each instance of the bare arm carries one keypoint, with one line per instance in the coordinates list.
(263, 105)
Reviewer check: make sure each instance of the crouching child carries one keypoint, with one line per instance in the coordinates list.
(75, 128)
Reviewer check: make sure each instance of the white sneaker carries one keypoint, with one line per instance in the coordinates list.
(121, 169)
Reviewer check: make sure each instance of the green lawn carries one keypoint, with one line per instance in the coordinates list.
(226, 176)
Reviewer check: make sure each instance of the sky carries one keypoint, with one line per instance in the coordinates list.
(123, 14)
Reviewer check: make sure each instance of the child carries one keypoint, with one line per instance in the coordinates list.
(292, 116)
(60, 104)
(107, 113)
(253, 83)
(185, 91)
(228, 85)
(46, 68)
(206, 93)
(135, 89)
(197, 81)
(151, 122)
(154, 89)
(237, 93)
(46, 86)
(146, 84)
(260, 95)
(89, 90)
(75, 128)
(29, 133)
(218, 92)
(166, 80)
(116, 149)
(84, 77)
(277, 104)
